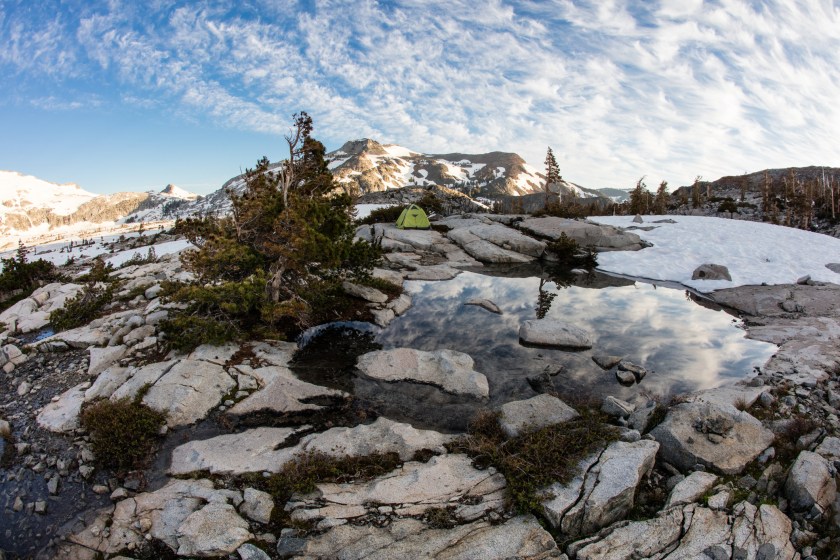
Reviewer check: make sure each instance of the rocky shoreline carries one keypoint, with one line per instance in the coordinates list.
(742, 471)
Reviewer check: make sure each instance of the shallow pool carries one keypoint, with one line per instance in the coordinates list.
(684, 345)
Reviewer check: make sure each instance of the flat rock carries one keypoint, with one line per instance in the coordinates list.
(711, 435)
(486, 251)
(810, 483)
(495, 243)
(255, 450)
(521, 537)
(102, 358)
(107, 382)
(364, 292)
(691, 488)
(381, 436)
(138, 378)
(833, 267)
(448, 370)
(444, 481)
(63, 414)
(261, 449)
(694, 532)
(484, 304)
(604, 490)
(280, 391)
(532, 414)
(188, 391)
(586, 234)
(214, 530)
(548, 332)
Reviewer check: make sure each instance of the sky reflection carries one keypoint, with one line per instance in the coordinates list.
(685, 346)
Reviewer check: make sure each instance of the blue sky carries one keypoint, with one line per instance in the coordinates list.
(117, 95)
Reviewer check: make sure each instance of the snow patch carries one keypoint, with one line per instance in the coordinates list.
(754, 252)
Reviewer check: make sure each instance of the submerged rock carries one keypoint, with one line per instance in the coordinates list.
(548, 332)
(446, 369)
(484, 304)
(606, 362)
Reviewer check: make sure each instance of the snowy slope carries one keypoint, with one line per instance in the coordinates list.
(754, 252)
(19, 192)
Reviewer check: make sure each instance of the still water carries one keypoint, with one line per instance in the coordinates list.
(684, 345)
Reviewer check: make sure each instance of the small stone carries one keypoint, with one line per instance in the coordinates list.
(5, 429)
(250, 552)
(711, 272)
(119, 494)
(624, 377)
(99, 489)
(23, 388)
(18, 505)
(52, 485)
(41, 507)
(86, 471)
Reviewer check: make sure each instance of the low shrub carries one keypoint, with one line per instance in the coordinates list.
(388, 214)
(533, 461)
(19, 277)
(568, 252)
(82, 309)
(123, 433)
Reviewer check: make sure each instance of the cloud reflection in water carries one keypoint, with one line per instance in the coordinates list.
(684, 345)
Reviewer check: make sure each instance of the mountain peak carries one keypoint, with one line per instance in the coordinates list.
(363, 145)
(177, 192)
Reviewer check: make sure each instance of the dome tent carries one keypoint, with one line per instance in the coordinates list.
(413, 217)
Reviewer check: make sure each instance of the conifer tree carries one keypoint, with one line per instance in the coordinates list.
(552, 171)
(661, 201)
(277, 262)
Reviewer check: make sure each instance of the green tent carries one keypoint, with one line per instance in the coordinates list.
(413, 217)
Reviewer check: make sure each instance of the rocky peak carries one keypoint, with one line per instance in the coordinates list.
(362, 146)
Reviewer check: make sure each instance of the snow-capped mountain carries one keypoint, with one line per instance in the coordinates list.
(30, 207)
(363, 166)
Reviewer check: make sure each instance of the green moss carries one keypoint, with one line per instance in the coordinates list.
(123, 433)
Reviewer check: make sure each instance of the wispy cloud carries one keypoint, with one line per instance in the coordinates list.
(619, 89)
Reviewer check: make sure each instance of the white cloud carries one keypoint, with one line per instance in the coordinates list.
(619, 89)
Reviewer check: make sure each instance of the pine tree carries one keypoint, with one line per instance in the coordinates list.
(552, 171)
(661, 201)
(277, 263)
(639, 198)
(695, 192)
